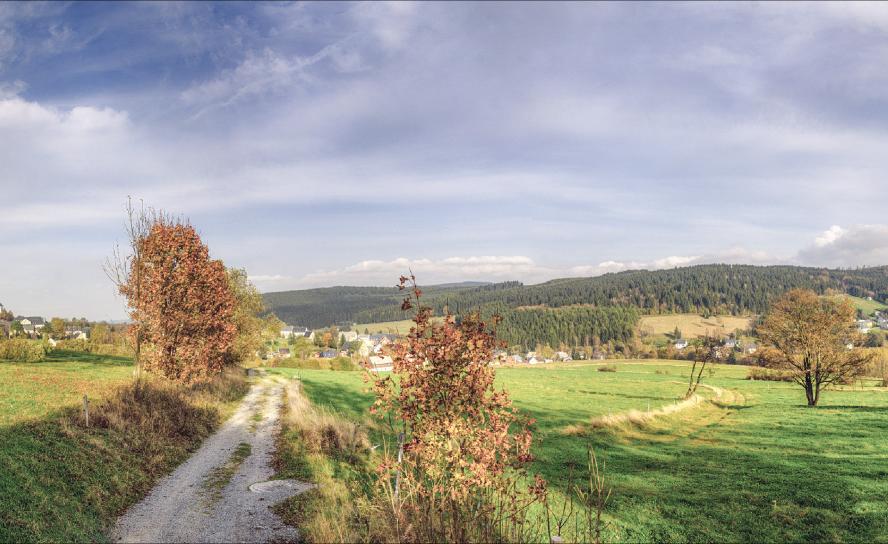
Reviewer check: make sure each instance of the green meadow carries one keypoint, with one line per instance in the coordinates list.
(61, 481)
(756, 466)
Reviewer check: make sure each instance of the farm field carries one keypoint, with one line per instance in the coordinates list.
(388, 327)
(761, 467)
(692, 325)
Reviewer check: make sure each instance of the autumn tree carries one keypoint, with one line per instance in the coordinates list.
(182, 305)
(57, 327)
(100, 334)
(815, 339)
(247, 320)
(462, 440)
(124, 267)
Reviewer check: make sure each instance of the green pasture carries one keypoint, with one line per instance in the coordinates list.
(760, 467)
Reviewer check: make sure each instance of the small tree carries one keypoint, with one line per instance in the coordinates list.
(183, 307)
(57, 327)
(247, 320)
(815, 339)
(708, 349)
(100, 334)
(464, 446)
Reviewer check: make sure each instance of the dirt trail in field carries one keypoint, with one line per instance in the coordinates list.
(217, 495)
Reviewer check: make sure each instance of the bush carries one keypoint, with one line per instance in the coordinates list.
(339, 363)
(766, 374)
(21, 350)
(87, 346)
(607, 368)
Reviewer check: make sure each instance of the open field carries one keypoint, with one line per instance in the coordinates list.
(692, 325)
(30, 391)
(63, 482)
(388, 327)
(868, 307)
(761, 467)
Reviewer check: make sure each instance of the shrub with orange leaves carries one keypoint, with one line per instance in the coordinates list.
(465, 447)
(184, 308)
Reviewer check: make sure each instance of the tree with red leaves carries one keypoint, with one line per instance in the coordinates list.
(464, 445)
(182, 307)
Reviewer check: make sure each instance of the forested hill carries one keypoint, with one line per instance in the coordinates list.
(705, 289)
(333, 305)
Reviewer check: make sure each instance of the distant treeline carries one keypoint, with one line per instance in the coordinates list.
(704, 289)
(582, 326)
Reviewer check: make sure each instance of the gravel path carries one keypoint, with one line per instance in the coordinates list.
(185, 507)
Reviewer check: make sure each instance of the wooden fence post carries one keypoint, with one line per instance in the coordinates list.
(86, 410)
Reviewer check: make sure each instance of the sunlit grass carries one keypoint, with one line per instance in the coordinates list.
(763, 467)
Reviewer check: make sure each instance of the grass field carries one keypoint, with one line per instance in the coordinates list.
(868, 307)
(30, 391)
(387, 327)
(63, 482)
(692, 325)
(765, 468)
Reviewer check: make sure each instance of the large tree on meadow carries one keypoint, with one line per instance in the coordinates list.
(815, 339)
(182, 305)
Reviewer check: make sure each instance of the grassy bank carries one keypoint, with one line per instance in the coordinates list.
(758, 466)
(65, 482)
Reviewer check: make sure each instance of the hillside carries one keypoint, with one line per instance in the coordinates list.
(332, 305)
(704, 289)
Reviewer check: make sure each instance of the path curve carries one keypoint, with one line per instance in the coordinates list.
(183, 507)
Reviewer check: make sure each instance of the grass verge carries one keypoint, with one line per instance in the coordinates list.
(64, 482)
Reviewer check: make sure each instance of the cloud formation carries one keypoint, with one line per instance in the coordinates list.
(326, 142)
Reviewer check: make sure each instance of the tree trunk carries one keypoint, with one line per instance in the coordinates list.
(809, 391)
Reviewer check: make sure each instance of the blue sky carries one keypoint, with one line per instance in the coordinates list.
(337, 143)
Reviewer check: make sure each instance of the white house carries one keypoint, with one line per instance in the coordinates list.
(864, 325)
(681, 344)
(563, 356)
(533, 361)
(350, 336)
(381, 364)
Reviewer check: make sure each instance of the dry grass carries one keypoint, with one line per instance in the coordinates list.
(632, 417)
(321, 430)
(318, 446)
(691, 325)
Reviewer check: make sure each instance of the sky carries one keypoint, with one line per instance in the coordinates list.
(329, 144)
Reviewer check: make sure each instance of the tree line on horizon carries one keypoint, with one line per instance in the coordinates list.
(707, 290)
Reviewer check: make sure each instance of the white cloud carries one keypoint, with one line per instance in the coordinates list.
(858, 245)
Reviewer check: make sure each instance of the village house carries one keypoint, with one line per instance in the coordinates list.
(750, 348)
(296, 332)
(77, 333)
(350, 336)
(381, 363)
(284, 352)
(517, 359)
(864, 325)
(563, 356)
(730, 343)
(328, 354)
(681, 343)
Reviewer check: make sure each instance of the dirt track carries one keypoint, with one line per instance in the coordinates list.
(199, 503)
